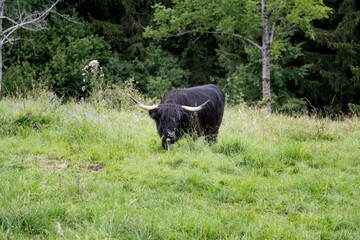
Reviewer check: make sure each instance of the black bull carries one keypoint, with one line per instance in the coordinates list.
(197, 109)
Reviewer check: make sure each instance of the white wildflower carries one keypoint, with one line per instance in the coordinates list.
(94, 65)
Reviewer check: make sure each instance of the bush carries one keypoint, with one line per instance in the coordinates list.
(55, 58)
(243, 85)
(159, 72)
(19, 79)
(63, 73)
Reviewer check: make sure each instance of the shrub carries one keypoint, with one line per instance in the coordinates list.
(54, 59)
(159, 72)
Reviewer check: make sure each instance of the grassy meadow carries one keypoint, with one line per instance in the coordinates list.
(86, 171)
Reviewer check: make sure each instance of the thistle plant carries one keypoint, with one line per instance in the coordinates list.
(93, 77)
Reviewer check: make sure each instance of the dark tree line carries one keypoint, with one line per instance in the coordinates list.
(306, 73)
(334, 75)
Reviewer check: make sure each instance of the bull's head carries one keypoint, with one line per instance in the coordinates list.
(170, 118)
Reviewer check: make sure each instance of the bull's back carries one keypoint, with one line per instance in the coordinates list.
(196, 96)
(211, 114)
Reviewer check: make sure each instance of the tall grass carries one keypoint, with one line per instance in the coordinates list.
(82, 170)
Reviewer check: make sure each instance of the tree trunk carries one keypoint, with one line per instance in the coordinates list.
(1, 38)
(265, 49)
(1, 69)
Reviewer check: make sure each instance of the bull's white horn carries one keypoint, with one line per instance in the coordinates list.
(143, 106)
(194, 109)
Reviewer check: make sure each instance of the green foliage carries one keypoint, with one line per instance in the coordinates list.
(12, 7)
(191, 43)
(243, 85)
(159, 72)
(236, 16)
(55, 59)
(19, 78)
(302, 13)
(94, 172)
(244, 82)
(120, 22)
(242, 19)
(198, 57)
(63, 52)
(333, 77)
(63, 73)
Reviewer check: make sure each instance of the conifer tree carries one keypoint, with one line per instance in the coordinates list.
(334, 78)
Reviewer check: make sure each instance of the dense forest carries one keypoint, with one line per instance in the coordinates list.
(315, 62)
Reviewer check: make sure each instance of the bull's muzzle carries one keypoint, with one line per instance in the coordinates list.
(170, 135)
(170, 138)
(166, 143)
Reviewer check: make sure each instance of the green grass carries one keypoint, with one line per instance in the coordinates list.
(79, 170)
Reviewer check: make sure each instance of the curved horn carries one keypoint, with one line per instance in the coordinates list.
(143, 106)
(194, 109)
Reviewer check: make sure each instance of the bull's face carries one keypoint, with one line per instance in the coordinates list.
(169, 118)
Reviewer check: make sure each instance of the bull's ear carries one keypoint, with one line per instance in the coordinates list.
(154, 114)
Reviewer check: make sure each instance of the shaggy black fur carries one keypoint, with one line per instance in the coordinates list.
(172, 121)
